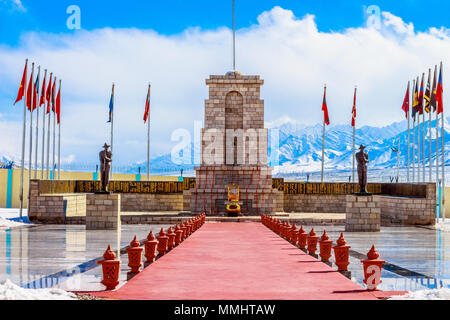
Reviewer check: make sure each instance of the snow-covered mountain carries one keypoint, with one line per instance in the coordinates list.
(300, 149)
(301, 146)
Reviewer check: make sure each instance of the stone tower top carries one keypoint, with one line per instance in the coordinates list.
(234, 102)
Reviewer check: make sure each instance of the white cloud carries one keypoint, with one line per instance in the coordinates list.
(14, 4)
(290, 54)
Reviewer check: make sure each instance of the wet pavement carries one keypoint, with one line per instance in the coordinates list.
(66, 256)
(44, 256)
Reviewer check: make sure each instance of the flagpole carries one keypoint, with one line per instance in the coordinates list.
(48, 127)
(408, 116)
(234, 38)
(37, 126)
(30, 156)
(423, 146)
(442, 147)
(148, 136)
(354, 138)
(59, 138)
(414, 135)
(323, 143)
(23, 140)
(54, 133)
(43, 134)
(112, 132)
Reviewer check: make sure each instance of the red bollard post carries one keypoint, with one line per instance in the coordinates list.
(162, 242)
(183, 228)
(111, 269)
(312, 239)
(150, 248)
(325, 245)
(372, 269)
(178, 235)
(188, 228)
(293, 235)
(302, 239)
(135, 256)
(171, 235)
(341, 255)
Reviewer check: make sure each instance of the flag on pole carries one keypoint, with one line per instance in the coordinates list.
(43, 93)
(428, 94)
(440, 107)
(29, 92)
(58, 105)
(420, 106)
(53, 95)
(433, 92)
(49, 93)
(147, 106)
(21, 92)
(354, 110)
(36, 93)
(405, 106)
(326, 118)
(416, 100)
(111, 106)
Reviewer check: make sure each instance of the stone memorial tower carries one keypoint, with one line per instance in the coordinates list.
(234, 149)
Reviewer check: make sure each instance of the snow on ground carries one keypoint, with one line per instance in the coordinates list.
(436, 294)
(443, 225)
(9, 224)
(10, 291)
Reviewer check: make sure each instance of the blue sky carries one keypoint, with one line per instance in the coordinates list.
(295, 46)
(174, 16)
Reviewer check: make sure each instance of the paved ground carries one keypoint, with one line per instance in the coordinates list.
(238, 261)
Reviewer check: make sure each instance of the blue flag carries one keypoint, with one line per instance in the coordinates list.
(111, 106)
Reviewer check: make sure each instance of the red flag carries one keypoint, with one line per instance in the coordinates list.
(354, 110)
(58, 105)
(405, 106)
(29, 92)
(147, 106)
(49, 93)
(326, 119)
(21, 92)
(43, 93)
(53, 95)
(439, 91)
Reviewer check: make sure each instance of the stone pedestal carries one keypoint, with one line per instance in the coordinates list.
(103, 212)
(363, 214)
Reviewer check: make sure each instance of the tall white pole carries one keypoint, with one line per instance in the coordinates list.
(353, 155)
(414, 136)
(59, 138)
(112, 132)
(423, 146)
(148, 135)
(30, 156)
(43, 134)
(23, 141)
(37, 125)
(430, 166)
(54, 136)
(407, 160)
(234, 38)
(48, 128)
(442, 147)
(323, 141)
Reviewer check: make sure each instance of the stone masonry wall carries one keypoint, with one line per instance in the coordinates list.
(409, 211)
(151, 202)
(314, 203)
(103, 212)
(362, 214)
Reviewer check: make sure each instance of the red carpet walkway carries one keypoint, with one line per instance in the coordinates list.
(238, 261)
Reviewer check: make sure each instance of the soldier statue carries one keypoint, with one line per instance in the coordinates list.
(363, 159)
(105, 166)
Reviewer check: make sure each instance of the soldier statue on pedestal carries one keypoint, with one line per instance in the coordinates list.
(363, 159)
(105, 166)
